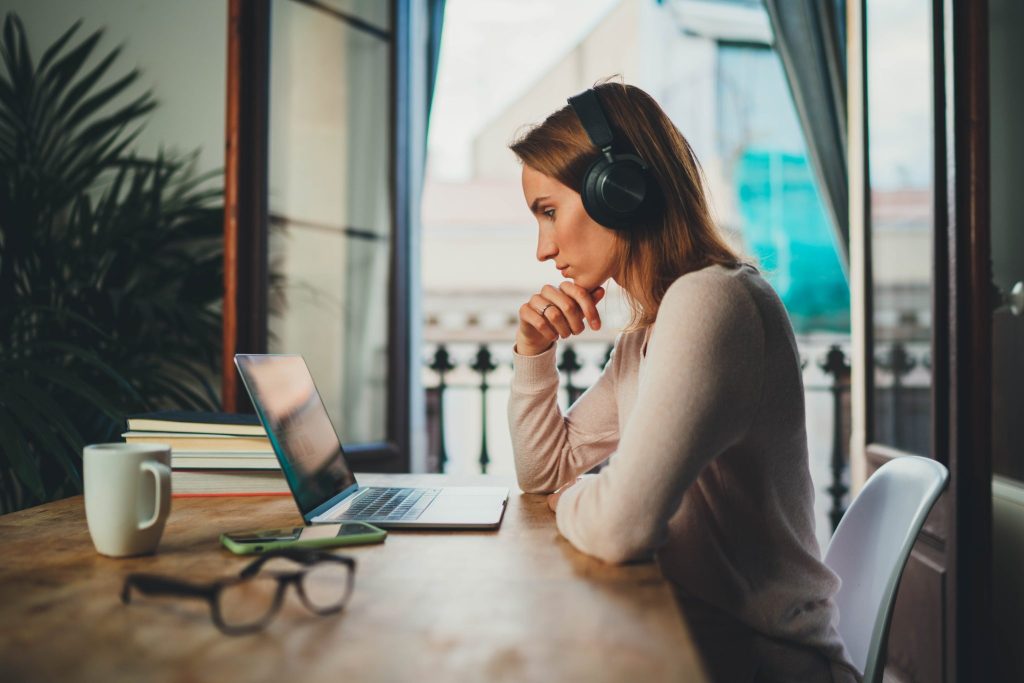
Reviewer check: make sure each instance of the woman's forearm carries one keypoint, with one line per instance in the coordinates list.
(550, 448)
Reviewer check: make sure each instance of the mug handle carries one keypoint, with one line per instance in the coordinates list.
(162, 478)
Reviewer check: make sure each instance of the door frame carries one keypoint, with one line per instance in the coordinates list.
(969, 435)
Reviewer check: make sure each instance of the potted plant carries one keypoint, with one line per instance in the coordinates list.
(110, 264)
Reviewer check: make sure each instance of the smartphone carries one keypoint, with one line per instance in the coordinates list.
(315, 536)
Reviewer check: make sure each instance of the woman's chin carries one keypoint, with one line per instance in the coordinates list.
(584, 282)
(587, 283)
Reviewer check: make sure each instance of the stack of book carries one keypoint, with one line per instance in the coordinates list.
(212, 454)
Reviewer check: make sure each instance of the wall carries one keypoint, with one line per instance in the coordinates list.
(180, 47)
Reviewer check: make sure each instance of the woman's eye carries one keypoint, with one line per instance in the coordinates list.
(550, 213)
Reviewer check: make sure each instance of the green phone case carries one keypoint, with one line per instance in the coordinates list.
(372, 535)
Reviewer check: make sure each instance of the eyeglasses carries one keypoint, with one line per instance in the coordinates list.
(247, 603)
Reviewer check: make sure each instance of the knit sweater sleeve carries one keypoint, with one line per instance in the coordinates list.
(697, 397)
(552, 449)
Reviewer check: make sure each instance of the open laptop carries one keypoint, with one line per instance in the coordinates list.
(314, 465)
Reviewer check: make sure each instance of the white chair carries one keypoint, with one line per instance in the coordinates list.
(870, 548)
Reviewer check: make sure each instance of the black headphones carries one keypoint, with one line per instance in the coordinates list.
(617, 189)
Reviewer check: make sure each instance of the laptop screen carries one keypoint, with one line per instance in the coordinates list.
(299, 428)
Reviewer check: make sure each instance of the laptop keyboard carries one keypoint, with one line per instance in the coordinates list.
(390, 505)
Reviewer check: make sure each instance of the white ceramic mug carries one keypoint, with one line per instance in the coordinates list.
(127, 496)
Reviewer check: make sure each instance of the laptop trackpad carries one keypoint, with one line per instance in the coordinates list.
(478, 504)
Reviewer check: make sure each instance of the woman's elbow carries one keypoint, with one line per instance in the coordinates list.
(631, 545)
(532, 482)
(623, 553)
(528, 487)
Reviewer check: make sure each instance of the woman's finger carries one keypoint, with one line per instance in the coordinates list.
(541, 325)
(570, 310)
(551, 312)
(587, 301)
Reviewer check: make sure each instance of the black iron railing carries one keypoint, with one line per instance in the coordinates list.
(902, 399)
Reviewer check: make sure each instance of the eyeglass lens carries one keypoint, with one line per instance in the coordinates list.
(326, 586)
(248, 603)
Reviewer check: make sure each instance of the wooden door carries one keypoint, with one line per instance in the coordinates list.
(929, 314)
(1005, 74)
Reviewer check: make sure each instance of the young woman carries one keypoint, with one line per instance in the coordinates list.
(699, 412)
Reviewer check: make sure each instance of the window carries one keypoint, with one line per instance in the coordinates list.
(330, 205)
(778, 212)
(901, 168)
(326, 111)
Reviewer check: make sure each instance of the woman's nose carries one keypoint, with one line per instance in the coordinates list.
(546, 248)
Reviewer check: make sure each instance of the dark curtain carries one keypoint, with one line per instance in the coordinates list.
(435, 22)
(810, 39)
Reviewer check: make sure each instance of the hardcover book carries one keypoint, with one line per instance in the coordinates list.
(196, 422)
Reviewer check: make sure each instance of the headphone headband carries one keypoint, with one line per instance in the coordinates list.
(591, 115)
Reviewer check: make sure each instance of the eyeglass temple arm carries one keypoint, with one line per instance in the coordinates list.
(151, 584)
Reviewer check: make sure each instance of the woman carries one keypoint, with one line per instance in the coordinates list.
(700, 408)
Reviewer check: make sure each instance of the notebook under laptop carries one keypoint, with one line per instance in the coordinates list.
(314, 465)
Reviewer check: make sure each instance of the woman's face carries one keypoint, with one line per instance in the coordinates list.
(583, 250)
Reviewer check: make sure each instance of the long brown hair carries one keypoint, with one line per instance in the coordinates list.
(683, 237)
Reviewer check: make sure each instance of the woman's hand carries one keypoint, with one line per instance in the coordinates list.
(554, 313)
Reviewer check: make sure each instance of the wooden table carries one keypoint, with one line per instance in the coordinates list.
(517, 604)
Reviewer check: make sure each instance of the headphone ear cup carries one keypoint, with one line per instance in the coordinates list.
(615, 193)
(590, 195)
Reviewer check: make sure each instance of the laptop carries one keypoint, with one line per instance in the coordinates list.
(320, 479)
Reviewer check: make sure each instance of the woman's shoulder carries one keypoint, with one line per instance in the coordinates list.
(713, 309)
(713, 288)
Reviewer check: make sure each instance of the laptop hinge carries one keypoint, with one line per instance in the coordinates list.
(336, 502)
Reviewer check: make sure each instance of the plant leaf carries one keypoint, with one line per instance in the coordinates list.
(22, 463)
(57, 46)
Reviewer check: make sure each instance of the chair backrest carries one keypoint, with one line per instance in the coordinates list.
(870, 548)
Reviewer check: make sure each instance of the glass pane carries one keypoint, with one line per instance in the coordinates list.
(779, 211)
(330, 210)
(901, 163)
(1006, 149)
(1006, 60)
(374, 12)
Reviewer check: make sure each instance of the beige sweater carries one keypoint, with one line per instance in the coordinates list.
(708, 459)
